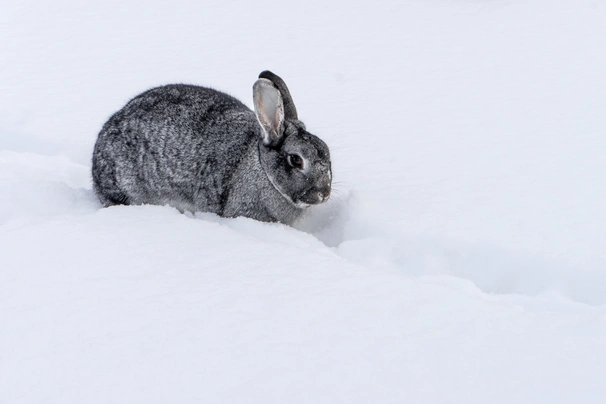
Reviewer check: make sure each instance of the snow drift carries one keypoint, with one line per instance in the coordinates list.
(460, 259)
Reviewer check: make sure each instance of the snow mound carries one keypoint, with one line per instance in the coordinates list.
(460, 260)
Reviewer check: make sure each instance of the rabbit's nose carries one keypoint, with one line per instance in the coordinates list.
(324, 194)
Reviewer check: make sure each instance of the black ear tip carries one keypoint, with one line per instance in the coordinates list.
(266, 74)
(289, 106)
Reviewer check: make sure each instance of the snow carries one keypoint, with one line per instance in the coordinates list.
(460, 259)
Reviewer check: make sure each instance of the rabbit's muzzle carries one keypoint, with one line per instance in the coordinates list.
(324, 192)
(318, 193)
(325, 183)
(323, 195)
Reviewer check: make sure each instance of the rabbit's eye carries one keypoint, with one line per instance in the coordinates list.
(295, 161)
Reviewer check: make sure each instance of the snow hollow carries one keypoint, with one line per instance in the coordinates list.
(460, 260)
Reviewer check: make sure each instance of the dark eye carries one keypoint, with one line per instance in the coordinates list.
(295, 160)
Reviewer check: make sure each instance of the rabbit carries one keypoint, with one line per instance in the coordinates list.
(200, 150)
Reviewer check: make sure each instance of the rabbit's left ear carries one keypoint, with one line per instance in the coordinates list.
(269, 109)
(290, 111)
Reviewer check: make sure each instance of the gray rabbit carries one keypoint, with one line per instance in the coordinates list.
(201, 150)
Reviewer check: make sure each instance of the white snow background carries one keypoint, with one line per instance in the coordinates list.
(461, 259)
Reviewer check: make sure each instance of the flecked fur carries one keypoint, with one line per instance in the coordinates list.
(198, 149)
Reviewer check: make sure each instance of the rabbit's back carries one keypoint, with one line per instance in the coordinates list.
(177, 145)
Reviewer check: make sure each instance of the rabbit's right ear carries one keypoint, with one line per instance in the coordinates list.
(269, 109)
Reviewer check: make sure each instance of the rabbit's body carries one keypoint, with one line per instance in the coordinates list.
(198, 149)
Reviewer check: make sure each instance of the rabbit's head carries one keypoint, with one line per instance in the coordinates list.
(296, 162)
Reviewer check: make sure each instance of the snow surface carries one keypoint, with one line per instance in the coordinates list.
(460, 260)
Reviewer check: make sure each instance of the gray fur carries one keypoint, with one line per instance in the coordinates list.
(198, 149)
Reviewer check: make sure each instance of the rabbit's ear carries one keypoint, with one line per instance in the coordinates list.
(269, 108)
(290, 111)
